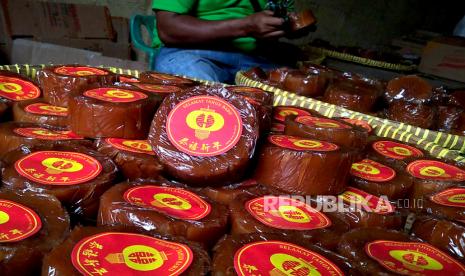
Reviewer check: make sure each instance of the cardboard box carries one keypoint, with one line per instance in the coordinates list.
(445, 57)
(29, 18)
(27, 51)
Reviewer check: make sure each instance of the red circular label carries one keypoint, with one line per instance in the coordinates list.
(58, 167)
(281, 258)
(17, 222)
(166, 77)
(320, 122)
(454, 197)
(372, 171)
(46, 134)
(115, 95)
(360, 123)
(435, 170)
(16, 89)
(366, 201)
(277, 127)
(296, 143)
(286, 213)
(128, 79)
(114, 253)
(157, 88)
(137, 146)
(46, 109)
(413, 258)
(204, 126)
(80, 71)
(174, 202)
(396, 150)
(281, 112)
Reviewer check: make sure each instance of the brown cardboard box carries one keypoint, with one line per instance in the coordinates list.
(56, 20)
(445, 57)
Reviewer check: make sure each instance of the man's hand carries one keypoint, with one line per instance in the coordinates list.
(264, 25)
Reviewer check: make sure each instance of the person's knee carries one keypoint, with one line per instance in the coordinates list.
(186, 64)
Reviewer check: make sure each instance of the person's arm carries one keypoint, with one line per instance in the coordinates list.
(179, 29)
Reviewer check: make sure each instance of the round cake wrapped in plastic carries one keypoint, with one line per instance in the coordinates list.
(111, 112)
(393, 153)
(205, 136)
(30, 225)
(300, 166)
(134, 158)
(40, 112)
(165, 79)
(16, 88)
(61, 81)
(164, 209)
(77, 175)
(120, 251)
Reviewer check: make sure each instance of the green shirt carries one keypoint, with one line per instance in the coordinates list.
(211, 10)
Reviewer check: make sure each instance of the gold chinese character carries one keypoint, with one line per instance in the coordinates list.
(99, 271)
(193, 146)
(183, 141)
(216, 145)
(205, 147)
(90, 262)
(16, 232)
(89, 253)
(95, 245)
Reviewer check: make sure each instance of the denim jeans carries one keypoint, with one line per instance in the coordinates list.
(219, 66)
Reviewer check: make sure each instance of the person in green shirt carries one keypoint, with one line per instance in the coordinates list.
(213, 39)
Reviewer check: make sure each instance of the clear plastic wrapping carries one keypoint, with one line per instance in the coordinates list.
(13, 135)
(326, 129)
(134, 158)
(225, 255)
(353, 96)
(443, 234)
(409, 89)
(77, 175)
(166, 209)
(24, 255)
(102, 260)
(420, 115)
(209, 138)
(300, 166)
(110, 111)
(61, 81)
(39, 112)
(165, 79)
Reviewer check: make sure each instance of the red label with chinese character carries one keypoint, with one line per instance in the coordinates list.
(366, 201)
(454, 197)
(115, 95)
(435, 170)
(137, 146)
(128, 79)
(157, 88)
(58, 167)
(174, 202)
(320, 122)
(281, 112)
(396, 150)
(286, 213)
(114, 253)
(360, 123)
(17, 222)
(17, 89)
(46, 109)
(281, 258)
(296, 143)
(46, 134)
(80, 71)
(413, 258)
(204, 126)
(372, 171)
(277, 127)
(166, 77)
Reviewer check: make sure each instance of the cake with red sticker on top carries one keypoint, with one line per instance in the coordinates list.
(165, 209)
(61, 81)
(39, 112)
(31, 225)
(76, 174)
(122, 251)
(210, 131)
(134, 158)
(112, 112)
(15, 88)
